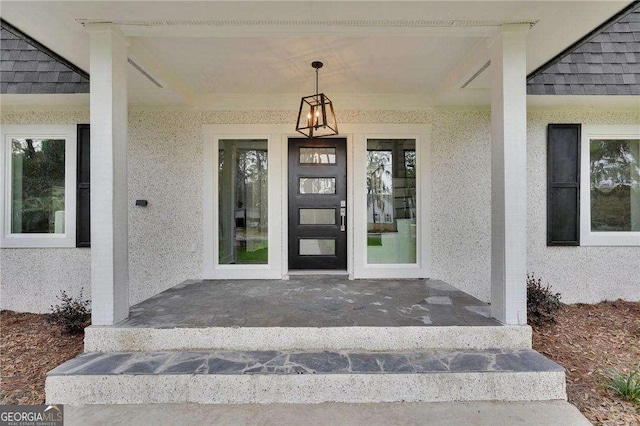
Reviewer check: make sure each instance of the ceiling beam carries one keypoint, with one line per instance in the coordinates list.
(466, 70)
(141, 59)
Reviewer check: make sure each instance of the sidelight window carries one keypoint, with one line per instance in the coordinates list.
(391, 201)
(243, 202)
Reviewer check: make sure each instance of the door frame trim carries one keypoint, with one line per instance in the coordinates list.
(211, 269)
(279, 134)
(422, 134)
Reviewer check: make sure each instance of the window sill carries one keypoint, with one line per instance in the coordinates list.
(610, 239)
(38, 241)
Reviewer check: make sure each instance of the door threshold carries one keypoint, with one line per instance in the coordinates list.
(298, 272)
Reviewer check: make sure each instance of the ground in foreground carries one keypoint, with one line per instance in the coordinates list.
(586, 340)
(29, 348)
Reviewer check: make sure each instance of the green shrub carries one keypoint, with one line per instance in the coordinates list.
(542, 303)
(73, 313)
(626, 385)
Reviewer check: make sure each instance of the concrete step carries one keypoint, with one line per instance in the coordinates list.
(367, 339)
(217, 377)
(481, 413)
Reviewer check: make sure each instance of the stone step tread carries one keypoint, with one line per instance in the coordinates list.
(284, 363)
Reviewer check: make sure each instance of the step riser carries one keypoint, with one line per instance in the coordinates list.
(371, 339)
(308, 388)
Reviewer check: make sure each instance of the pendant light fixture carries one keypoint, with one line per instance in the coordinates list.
(316, 118)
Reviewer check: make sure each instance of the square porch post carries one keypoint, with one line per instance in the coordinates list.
(109, 222)
(509, 175)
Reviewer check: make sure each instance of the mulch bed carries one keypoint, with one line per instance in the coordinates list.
(29, 348)
(586, 340)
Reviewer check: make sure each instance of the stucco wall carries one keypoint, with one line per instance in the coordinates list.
(461, 200)
(586, 273)
(30, 279)
(165, 168)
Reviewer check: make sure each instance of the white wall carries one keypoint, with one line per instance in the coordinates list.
(586, 273)
(165, 168)
(461, 211)
(30, 279)
(165, 238)
(461, 200)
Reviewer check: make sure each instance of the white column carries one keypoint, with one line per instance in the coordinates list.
(509, 175)
(109, 224)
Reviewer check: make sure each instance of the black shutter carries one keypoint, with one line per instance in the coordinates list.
(83, 217)
(563, 184)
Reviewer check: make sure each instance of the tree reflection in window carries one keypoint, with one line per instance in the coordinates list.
(243, 202)
(37, 186)
(615, 184)
(391, 201)
(379, 186)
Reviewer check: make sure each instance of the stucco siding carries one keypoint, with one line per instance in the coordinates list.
(165, 168)
(166, 237)
(581, 274)
(461, 200)
(31, 278)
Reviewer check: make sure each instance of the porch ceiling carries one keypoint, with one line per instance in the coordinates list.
(204, 52)
(276, 65)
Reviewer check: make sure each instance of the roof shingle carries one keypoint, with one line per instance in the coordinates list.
(606, 64)
(26, 69)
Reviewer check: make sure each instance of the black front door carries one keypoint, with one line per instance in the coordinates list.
(317, 203)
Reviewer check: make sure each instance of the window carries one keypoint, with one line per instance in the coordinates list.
(391, 201)
(243, 202)
(610, 187)
(38, 188)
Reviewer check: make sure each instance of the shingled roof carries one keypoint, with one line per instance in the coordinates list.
(606, 62)
(28, 67)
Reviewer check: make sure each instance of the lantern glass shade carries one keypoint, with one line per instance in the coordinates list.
(316, 118)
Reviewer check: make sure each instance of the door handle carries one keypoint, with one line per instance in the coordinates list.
(343, 216)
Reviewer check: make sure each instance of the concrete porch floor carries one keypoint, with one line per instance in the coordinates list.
(310, 301)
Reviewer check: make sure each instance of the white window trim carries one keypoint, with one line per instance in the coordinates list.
(68, 238)
(211, 268)
(587, 237)
(421, 133)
